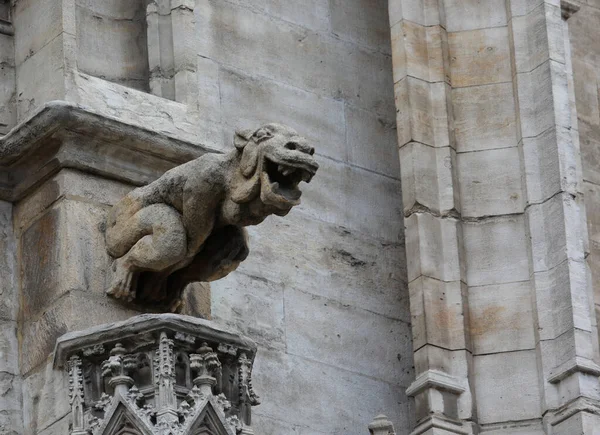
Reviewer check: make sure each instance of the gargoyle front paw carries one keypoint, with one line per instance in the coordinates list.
(122, 282)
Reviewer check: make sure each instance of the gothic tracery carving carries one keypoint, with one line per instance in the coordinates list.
(213, 396)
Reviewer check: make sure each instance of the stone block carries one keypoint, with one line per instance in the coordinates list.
(326, 394)
(36, 24)
(331, 262)
(9, 349)
(464, 15)
(419, 51)
(490, 183)
(399, 60)
(523, 7)
(248, 101)
(371, 142)
(41, 405)
(563, 299)
(501, 318)
(590, 151)
(479, 57)
(543, 99)
(425, 112)
(433, 247)
(423, 12)
(484, 117)
(364, 22)
(312, 14)
(316, 329)
(579, 422)
(542, 166)
(114, 48)
(591, 197)
(294, 55)
(538, 36)
(586, 92)
(64, 250)
(359, 200)
(439, 313)
(506, 387)
(557, 229)
(9, 297)
(40, 78)
(69, 313)
(149, 112)
(208, 89)
(438, 193)
(496, 251)
(253, 306)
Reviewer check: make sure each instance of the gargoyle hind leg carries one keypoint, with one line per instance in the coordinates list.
(163, 243)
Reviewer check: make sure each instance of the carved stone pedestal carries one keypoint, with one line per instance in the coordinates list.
(158, 374)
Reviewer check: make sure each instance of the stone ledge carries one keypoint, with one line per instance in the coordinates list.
(577, 364)
(435, 379)
(148, 324)
(64, 135)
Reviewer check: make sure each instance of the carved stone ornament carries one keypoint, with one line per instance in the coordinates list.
(158, 374)
(188, 225)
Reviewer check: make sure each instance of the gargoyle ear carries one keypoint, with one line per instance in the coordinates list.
(241, 138)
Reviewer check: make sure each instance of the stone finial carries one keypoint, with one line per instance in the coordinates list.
(381, 426)
(188, 225)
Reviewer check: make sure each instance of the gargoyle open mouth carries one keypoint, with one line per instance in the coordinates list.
(281, 181)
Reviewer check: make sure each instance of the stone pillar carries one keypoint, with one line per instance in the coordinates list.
(63, 170)
(495, 225)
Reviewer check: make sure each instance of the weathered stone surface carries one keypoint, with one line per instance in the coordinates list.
(380, 156)
(501, 318)
(490, 183)
(252, 305)
(424, 235)
(290, 53)
(418, 189)
(484, 117)
(513, 378)
(9, 296)
(508, 262)
(335, 263)
(439, 314)
(365, 208)
(349, 21)
(111, 42)
(41, 405)
(315, 329)
(248, 101)
(479, 57)
(473, 14)
(196, 214)
(293, 379)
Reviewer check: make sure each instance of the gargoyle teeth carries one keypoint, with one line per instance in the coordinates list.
(306, 176)
(281, 168)
(288, 171)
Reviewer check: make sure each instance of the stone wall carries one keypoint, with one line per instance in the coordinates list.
(585, 45)
(324, 290)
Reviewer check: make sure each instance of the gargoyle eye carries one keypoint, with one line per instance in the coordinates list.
(261, 135)
(291, 146)
(311, 151)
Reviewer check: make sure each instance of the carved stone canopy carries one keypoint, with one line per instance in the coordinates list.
(158, 374)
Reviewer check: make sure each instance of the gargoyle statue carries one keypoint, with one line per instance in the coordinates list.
(188, 225)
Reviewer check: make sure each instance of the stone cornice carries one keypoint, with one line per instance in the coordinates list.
(435, 379)
(148, 324)
(64, 135)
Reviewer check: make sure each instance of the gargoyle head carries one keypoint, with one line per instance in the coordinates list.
(274, 160)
